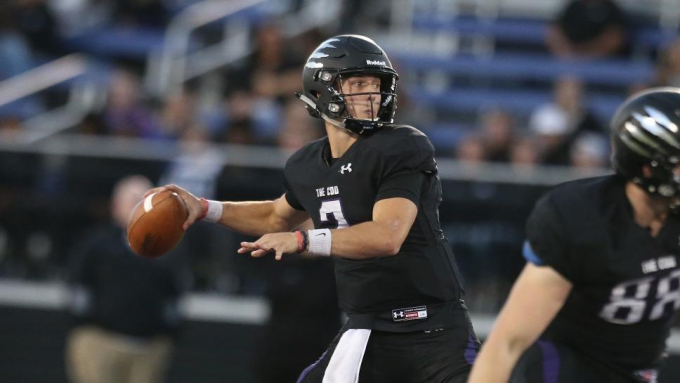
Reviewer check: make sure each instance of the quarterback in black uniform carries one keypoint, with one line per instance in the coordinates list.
(603, 276)
(372, 191)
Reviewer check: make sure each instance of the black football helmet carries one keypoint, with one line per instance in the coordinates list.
(646, 131)
(333, 61)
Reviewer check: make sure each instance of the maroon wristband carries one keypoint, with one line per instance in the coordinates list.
(300, 242)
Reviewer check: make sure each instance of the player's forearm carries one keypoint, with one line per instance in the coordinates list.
(366, 240)
(495, 362)
(254, 218)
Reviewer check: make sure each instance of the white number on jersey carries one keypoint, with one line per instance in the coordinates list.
(331, 215)
(667, 295)
(630, 299)
(629, 296)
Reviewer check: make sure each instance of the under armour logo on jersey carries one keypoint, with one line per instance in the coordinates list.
(409, 314)
(346, 168)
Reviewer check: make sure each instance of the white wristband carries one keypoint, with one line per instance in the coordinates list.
(214, 212)
(320, 242)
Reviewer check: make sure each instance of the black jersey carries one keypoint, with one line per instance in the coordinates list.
(409, 290)
(626, 283)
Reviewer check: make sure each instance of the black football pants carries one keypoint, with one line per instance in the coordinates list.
(443, 356)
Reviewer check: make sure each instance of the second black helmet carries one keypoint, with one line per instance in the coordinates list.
(646, 132)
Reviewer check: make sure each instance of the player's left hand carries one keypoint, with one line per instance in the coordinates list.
(280, 243)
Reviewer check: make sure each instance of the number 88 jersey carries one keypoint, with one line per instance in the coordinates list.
(395, 161)
(626, 283)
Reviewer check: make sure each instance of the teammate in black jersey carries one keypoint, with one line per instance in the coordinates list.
(372, 191)
(603, 278)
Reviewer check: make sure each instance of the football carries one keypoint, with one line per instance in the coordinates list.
(155, 224)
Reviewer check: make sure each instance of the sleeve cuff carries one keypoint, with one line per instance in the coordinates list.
(399, 193)
(293, 202)
(530, 255)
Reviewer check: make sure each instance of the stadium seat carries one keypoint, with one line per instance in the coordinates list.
(525, 31)
(613, 72)
(522, 102)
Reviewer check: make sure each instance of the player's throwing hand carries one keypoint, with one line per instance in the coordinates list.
(194, 205)
(280, 243)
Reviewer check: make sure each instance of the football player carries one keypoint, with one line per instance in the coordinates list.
(372, 191)
(602, 281)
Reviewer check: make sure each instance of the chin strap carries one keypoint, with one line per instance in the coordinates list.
(333, 121)
(306, 100)
(311, 107)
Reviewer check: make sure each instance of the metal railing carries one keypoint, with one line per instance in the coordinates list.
(403, 13)
(176, 64)
(168, 68)
(669, 15)
(273, 158)
(83, 97)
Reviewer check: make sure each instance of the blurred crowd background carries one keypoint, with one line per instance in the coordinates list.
(515, 95)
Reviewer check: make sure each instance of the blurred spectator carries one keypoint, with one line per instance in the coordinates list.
(636, 87)
(92, 124)
(198, 165)
(10, 129)
(197, 168)
(668, 67)
(38, 23)
(497, 134)
(550, 125)
(590, 151)
(241, 111)
(359, 16)
(557, 123)
(141, 13)
(272, 71)
(525, 152)
(275, 64)
(16, 57)
(241, 132)
(298, 129)
(588, 28)
(125, 114)
(76, 16)
(178, 114)
(125, 307)
(15, 53)
(471, 150)
(258, 87)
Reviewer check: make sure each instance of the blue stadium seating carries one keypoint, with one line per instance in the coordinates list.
(137, 42)
(525, 31)
(520, 102)
(445, 136)
(118, 42)
(532, 67)
(510, 71)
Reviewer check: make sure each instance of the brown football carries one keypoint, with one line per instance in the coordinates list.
(155, 224)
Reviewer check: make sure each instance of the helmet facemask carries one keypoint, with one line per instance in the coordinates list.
(662, 180)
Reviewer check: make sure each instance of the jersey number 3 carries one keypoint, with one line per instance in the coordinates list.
(629, 300)
(331, 215)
